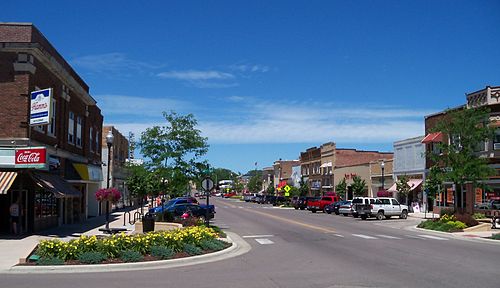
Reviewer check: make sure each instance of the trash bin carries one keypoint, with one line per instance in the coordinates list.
(148, 223)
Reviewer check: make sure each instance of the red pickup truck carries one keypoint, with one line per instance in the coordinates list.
(315, 205)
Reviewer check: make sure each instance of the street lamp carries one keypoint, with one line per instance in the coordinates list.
(164, 182)
(109, 141)
(382, 165)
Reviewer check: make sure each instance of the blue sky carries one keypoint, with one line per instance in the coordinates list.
(268, 79)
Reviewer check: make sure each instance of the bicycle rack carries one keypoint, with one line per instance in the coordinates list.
(137, 216)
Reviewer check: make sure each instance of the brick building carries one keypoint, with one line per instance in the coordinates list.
(119, 154)
(283, 172)
(310, 166)
(57, 189)
(490, 149)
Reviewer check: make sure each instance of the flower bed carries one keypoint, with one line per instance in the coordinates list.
(447, 223)
(130, 248)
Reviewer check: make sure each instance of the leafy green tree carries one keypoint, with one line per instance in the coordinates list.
(270, 190)
(294, 191)
(341, 188)
(359, 187)
(255, 184)
(175, 149)
(303, 188)
(467, 130)
(403, 187)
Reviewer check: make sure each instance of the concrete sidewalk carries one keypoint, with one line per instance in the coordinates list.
(423, 215)
(14, 249)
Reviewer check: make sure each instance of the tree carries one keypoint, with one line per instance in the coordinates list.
(432, 183)
(403, 187)
(341, 188)
(255, 184)
(174, 149)
(294, 191)
(358, 186)
(304, 188)
(270, 190)
(467, 129)
(141, 181)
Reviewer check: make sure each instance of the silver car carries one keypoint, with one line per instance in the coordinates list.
(346, 208)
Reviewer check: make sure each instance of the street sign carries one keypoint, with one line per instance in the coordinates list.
(287, 189)
(287, 194)
(207, 184)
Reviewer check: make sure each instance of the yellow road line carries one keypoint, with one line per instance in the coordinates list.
(298, 223)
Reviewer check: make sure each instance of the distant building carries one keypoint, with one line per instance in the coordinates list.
(119, 154)
(283, 170)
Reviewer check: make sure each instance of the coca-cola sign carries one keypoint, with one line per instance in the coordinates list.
(31, 156)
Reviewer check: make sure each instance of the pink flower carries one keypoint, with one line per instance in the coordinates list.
(111, 194)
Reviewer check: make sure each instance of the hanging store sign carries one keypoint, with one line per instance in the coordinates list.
(41, 107)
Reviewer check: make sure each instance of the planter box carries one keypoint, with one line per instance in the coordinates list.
(159, 226)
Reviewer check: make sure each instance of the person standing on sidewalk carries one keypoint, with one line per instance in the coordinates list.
(15, 212)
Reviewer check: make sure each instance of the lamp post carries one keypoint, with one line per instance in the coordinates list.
(109, 141)
(164, 182)
(382, 165)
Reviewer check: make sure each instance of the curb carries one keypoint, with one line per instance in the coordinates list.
(238, 247)
(455, 236)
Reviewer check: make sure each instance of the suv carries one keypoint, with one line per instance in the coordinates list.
(360, 201)
(382, 207)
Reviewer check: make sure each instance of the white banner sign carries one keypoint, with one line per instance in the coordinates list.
(41, 107)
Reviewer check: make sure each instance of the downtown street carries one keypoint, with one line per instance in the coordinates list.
(292, 248)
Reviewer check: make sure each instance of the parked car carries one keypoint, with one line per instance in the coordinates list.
(229, 195)
(360, 200)
(195, 210)
(492, 204)
(259, 199)
(294, 201)
(177, 201)
(319, 205)
(334, 207)
(278, 200)
(346, 208)
(302, 202)
(248, 197)
(382, 207)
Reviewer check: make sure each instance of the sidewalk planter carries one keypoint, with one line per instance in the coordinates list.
(159, 226)
(113, 247)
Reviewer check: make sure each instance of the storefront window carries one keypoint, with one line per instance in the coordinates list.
(45, 204)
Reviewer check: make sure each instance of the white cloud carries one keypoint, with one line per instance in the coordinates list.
(236, 98)
(111, 62)
(122, 105)
(194, 75)
(250, 68)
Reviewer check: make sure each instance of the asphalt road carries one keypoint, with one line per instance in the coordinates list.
(299, 249)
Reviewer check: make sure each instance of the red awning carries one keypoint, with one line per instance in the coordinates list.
(433, 138)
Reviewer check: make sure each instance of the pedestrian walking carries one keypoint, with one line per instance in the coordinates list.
(15, 212)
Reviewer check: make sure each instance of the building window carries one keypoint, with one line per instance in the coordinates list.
(79, 124)
(45, 204)
(91, 139)
(51, 129)
(97, 137)
(496, 139)
(39, 128)
(71, 128)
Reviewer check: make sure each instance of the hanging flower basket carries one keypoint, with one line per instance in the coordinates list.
(111, 194)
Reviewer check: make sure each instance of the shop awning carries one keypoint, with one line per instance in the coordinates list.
(6, 180)
(433, 138)
(55, 184)
(327, 164)
(413, 183)
(88, 172)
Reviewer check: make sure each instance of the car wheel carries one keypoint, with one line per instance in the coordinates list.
(355, 215)
(313, 210)
(296, 208)
(387, 217)
(404, 215)
(380, 215)
(345, 214)
(363, 217)
(328, 212)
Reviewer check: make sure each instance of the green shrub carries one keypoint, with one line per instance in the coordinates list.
(131, 256)
(162, 252)
(496, 236)
(93, 257)
(192, 249)
(213, 244)
(449, 226)
(479, 216)
(50, 261)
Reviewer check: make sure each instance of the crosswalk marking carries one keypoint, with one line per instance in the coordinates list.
(432, 237)
(257, 236)
(415, 237)
(338, 235)
(388, 237)
(364, 236)
(264, 241)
